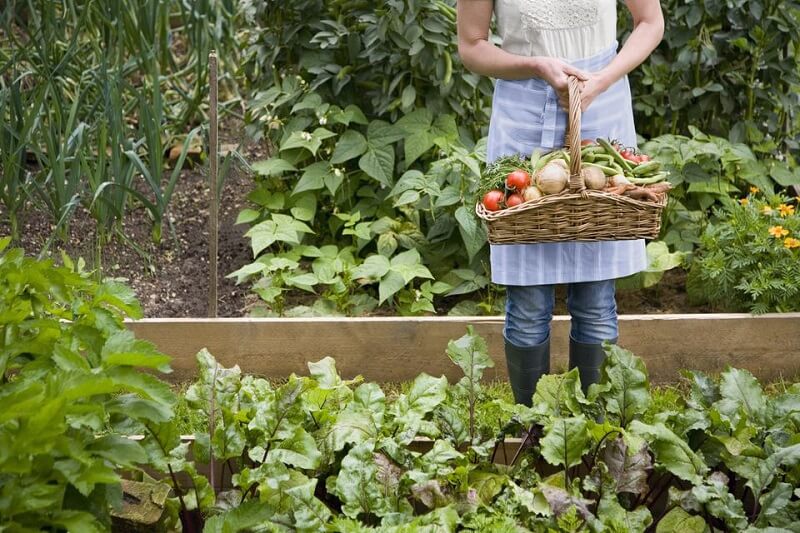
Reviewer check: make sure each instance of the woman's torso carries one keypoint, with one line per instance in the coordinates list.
(526, 116)
(568, 29)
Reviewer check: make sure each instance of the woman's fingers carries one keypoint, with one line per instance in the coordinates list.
(574, 71)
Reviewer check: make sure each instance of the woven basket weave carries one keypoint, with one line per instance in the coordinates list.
(577, 214)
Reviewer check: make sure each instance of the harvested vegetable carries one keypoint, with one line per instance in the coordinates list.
(531, 193)
(553, 177)
(493, 199)
(619, 180)
(514, 199)
(518, 180)
(593, 177)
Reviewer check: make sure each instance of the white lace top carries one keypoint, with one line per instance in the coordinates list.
(568, 29)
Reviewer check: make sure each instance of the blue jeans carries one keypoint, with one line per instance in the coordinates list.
(592, 306)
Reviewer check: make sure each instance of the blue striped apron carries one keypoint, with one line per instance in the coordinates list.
(526, 116)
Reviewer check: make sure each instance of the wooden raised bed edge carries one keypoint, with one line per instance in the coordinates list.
(390, 349)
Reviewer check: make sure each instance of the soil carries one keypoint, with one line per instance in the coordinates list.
(171, 279)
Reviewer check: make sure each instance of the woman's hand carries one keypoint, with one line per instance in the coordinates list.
(593, 87)
(557, 72)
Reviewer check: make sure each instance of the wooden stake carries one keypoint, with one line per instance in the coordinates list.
(213, 222)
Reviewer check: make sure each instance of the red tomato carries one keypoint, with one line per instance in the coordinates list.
(587, 142)
(514, 199)
(630, 156)
(518, 180)
(493, 199)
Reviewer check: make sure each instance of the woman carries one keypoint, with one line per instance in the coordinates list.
(543, 43)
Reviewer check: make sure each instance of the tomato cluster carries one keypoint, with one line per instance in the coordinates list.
(516, 182)
(630, 154)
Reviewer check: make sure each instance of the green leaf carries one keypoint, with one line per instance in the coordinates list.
(380, 133)
(272, 167)
(659, 260)
(359, 486)
(123, 348)
(624, 384)
(378, 163)
(247, 215)
(119, 450)
(351, 427)
(302, 139)
(299, 449)
(351, 145)
(374, 267)
(559, 395)
(389, 285)
(325, 373)
(410, 272)
(76, 521)
(309, 513)
(472, 231)
(408, 97)
(245, 517)
(714, 496)
(740, 389)
(783, 175)
(471, 354)
(773, 502)
(679, 520)
(370, 398)
(418, 135)
(671, 452)
(313, 177)
(565, 441)
(305, 207)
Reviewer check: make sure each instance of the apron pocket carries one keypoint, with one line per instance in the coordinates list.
(519, 111)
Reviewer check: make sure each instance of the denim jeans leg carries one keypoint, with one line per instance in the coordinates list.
(593, 308)
(529, 310)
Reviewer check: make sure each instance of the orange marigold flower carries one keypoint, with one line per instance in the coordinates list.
(778, 232)
(786, 210)
(744, 201)
(790, 242)
(754, 190)
(767, 210)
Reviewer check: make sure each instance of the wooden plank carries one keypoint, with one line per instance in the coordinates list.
(398, 348)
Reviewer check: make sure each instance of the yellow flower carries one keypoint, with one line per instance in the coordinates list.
(778, 232)
(753, 190)
(767, 210)
(790, 243)
(786, 210)
(744, 201)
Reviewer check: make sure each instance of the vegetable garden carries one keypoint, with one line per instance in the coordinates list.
(351, 162)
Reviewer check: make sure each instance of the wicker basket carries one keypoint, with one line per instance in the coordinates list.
(577, 214)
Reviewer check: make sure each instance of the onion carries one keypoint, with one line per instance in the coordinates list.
(553, 177)
(618, 180)
(593, 178)
(531, 193)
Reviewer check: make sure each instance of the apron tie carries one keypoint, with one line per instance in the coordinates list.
(549, 119)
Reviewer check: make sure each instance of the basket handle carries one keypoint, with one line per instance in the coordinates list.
(574, 135)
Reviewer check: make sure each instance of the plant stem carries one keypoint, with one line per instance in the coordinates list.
(211, 422)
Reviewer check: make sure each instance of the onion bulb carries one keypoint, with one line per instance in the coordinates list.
(593, 178)
(531, 193)
(553, 177)
(618, 180)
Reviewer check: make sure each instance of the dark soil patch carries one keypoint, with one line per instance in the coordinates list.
(171, 279)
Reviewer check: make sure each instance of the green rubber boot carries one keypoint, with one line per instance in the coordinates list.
(525, 366)
(588, 358)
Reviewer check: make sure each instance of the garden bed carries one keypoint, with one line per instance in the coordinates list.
(397, 348)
